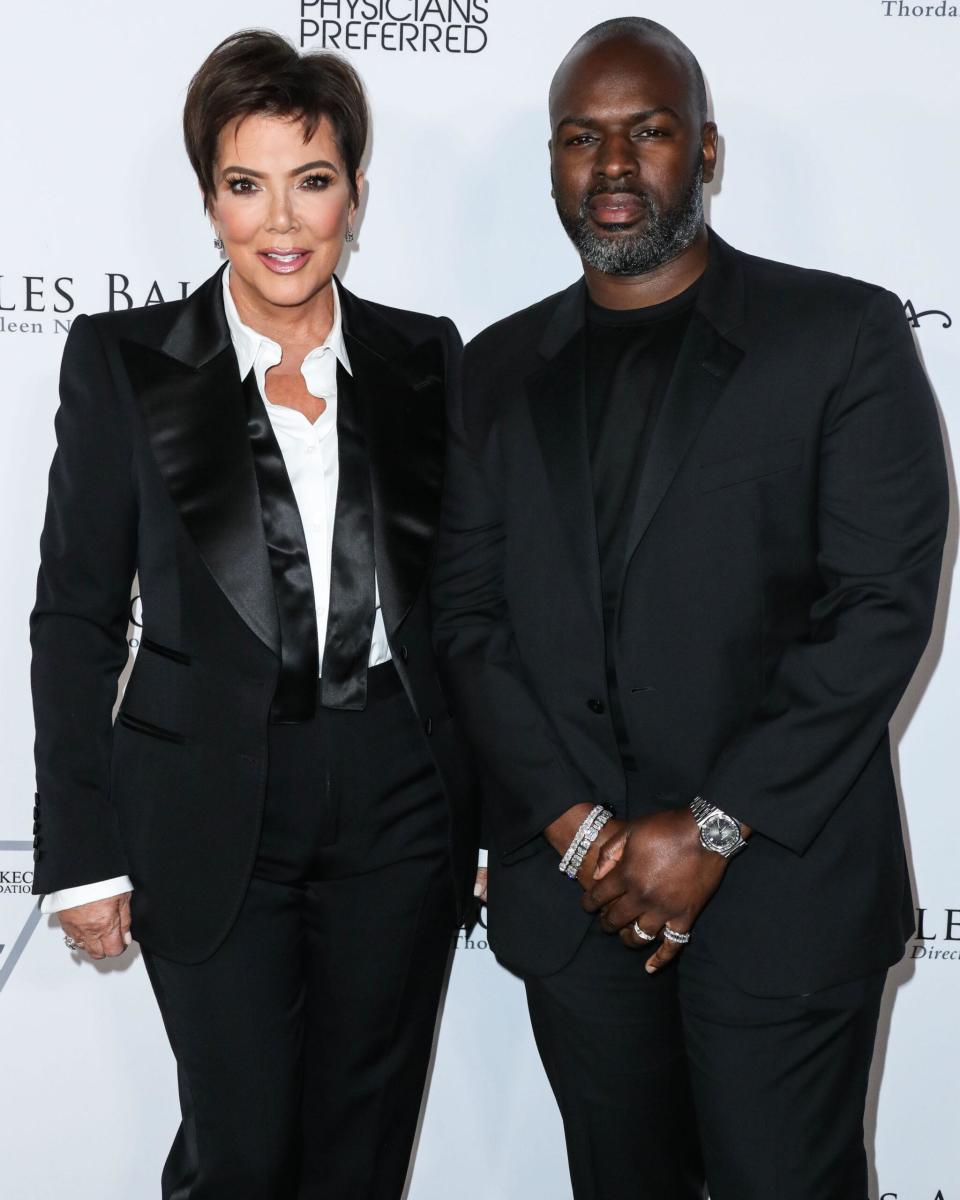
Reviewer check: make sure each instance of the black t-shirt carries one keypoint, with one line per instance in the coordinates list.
(631, 354)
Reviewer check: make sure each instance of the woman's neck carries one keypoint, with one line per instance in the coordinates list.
(300, 326)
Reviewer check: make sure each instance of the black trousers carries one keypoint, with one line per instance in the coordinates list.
(660, 1076)
(611, 1041)
(780, 1084)
(303, 1043)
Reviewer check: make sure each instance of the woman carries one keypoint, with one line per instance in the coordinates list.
(280, 815)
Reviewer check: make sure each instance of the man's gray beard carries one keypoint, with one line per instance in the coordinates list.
(666, 234)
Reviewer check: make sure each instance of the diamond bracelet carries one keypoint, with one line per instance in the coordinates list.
(586, 835)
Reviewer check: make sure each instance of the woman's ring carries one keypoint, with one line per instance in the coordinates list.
(72, 943)
(642, 933)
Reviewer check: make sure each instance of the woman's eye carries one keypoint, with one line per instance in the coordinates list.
(316, 183)
(241, 185)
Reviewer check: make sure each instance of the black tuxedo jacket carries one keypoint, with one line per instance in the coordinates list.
(778, 589)
(154, 474)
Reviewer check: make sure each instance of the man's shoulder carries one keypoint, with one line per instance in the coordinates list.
(805, 294)
(519, 333)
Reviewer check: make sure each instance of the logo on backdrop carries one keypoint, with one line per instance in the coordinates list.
(397, 26)
(914, 318)
(19, 910)
(135, 625)
(900, 8)
(903, 1196)
(38, 304)
(937, 938)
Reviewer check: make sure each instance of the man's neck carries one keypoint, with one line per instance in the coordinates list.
(653, 287)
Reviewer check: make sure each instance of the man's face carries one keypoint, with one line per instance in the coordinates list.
(629, 156)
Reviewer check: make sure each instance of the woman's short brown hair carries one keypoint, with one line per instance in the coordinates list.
(259, 72)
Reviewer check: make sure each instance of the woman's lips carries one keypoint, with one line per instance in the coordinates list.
(283, 262)
(618, 208)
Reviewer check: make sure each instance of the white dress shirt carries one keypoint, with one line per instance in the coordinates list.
(311, 457)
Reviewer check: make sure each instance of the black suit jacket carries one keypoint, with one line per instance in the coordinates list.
(778, 589)
(154, 474)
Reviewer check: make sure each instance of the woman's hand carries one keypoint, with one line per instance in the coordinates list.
(480, 887)
(101, 928)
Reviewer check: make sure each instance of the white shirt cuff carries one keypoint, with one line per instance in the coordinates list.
(481, 858)
(85, 894)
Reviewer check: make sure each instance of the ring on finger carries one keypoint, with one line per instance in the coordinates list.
(675, 936)
(642, 933)
(72, 943)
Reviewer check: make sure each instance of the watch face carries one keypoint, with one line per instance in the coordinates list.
(720, 833)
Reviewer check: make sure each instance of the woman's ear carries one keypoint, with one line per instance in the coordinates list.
(358, 181)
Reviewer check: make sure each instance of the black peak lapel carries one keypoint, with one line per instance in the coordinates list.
(200, 332)
(400, 388)
(705, 364)
(191, 398)
(556, 395)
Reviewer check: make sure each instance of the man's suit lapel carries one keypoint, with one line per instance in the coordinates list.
(191, 398)
(556, 394)
(704, 366)
(401, 391)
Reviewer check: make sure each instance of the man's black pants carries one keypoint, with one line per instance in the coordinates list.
(662, 1079)
(303, 1043)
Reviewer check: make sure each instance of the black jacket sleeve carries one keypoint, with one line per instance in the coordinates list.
(78, 626)
(532, 783)
(882, 513)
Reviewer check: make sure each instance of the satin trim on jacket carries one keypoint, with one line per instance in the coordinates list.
(296, 694)
(353, 600)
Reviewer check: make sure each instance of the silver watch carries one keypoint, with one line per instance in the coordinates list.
(719, 832)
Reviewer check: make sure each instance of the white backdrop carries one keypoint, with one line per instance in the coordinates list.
(838, 122)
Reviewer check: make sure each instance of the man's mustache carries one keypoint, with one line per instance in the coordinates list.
(614, 188)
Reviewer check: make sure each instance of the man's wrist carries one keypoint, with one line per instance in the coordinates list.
(560, 832)
(583, 840)
(720, 833)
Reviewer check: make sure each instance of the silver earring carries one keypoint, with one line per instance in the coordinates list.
(348, 236)
(218, 242)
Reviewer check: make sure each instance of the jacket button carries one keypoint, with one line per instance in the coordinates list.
(596, 706)
(403, 653)
(428, 726)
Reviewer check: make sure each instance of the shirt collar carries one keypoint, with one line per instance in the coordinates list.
(248, 343)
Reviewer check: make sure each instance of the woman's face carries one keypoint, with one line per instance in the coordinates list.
(281, 206)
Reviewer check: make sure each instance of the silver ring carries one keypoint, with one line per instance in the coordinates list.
(72, 943)
(673, 935)
(642, 933)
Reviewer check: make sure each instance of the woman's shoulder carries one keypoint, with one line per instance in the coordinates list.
(151, 323)
(372, 321)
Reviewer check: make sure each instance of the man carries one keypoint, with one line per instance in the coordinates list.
(689, 560)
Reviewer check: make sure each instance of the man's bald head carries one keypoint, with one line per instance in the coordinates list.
(642, 32)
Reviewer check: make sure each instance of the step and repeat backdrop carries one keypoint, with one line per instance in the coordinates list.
(837, 119)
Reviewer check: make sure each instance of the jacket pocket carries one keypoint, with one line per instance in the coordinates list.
(767, 460)
(148, 728)
(176, 656)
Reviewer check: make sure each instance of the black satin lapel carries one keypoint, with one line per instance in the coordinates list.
(196, 422)
(353, 586)
(403, 402)
(704, 367)
(295, 698)
(558, 409)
